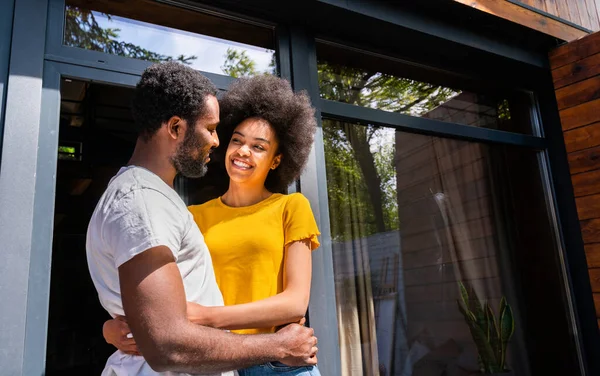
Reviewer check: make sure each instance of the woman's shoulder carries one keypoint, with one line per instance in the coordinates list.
(199, 208)
(296, 198)
(297, 203)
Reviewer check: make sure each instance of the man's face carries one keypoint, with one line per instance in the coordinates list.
(200, 140)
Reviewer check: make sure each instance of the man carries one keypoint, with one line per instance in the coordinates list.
(146, 255)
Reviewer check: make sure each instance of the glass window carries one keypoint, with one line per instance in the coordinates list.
(427, 231)
(376, 82)
(151, 31)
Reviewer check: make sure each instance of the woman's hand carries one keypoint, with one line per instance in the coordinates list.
(117, 333)
(198, 314)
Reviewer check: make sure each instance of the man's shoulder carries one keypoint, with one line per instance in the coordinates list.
(138, 182)
(131, 178)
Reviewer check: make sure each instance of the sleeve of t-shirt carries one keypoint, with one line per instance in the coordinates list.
(140, 220)
(299, 222)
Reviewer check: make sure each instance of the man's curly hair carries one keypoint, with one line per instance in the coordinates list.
(290, 115)
(166, 90)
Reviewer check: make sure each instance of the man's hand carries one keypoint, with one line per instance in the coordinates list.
(299, 344)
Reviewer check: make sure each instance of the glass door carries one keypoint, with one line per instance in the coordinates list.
(93, 136)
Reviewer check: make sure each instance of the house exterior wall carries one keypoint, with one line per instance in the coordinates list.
(576, 77)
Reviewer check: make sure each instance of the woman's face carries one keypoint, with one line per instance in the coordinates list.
(252, 152)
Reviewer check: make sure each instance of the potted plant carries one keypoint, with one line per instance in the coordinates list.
(491, 336)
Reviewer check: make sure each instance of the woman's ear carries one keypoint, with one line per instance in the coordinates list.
(175, 127)
(276, 162)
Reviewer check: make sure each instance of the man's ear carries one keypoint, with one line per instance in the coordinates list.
(176, 127)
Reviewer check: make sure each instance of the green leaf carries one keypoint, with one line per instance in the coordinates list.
(464, 294)
(469, 317)
(494, 338)
(507, 327)
(479, 314)
(486, 353)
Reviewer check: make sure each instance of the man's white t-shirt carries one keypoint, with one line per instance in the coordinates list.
(139, 211)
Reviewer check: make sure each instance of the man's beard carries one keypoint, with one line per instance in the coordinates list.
(183, 160)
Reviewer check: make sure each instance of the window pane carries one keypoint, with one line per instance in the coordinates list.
(151, 31)
(414, 218)
(375, 82)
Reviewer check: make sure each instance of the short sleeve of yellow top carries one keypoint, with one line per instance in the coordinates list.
(247, 244)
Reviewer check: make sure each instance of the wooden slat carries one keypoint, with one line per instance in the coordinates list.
(583, 14)
(593, 15)
(597, 304)
(573, 12)
(575, 50)
(563, 10)
(537, 4)
(583, 114)
(580, 92)
(577, 71)
(551, 7)
(588, 207)
(595, 279)
(587, 13)
(592, 254)
(587, 183)
(582, 138)
(584, 160)
(590, 229)
(526, 17)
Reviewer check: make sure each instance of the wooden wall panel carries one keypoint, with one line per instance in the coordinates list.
(581, 12)
(577, 84)
(559, 18)
(579, 92)
(527, 17)
(582, 138)
(577, 71)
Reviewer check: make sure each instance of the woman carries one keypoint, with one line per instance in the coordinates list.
(260, 240)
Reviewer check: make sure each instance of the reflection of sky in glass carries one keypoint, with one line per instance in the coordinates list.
(382, 137)
(210, 51)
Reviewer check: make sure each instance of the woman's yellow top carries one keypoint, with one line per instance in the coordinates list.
(247, 244)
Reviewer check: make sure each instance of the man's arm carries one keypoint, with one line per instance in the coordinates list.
(288, 306)
(154, 303)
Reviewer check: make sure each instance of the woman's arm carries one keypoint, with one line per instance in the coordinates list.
(288, 306)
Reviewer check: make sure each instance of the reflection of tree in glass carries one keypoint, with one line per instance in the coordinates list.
(82, 30)
(362, 154)
(350, 190)
(238, 64)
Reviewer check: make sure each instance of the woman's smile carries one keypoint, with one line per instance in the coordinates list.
(240, 164)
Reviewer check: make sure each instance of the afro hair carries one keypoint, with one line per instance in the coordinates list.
(166, 90)
(290, 115)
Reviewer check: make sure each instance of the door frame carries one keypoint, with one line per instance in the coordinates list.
(38, 297)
